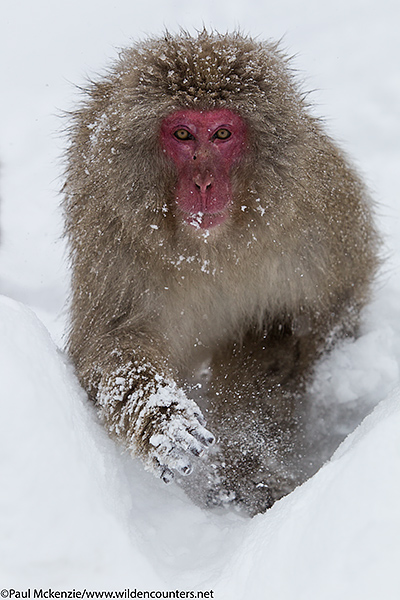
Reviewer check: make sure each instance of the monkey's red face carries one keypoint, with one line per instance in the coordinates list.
(204, 146)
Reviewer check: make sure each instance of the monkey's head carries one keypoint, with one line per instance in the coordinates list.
(189, 130)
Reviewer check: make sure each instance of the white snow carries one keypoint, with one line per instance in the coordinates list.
(75, 511)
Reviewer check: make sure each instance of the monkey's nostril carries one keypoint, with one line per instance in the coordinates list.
(202, 187)
(203, 182)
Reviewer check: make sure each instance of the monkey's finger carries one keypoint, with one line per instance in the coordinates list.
(187, 441)
(183, 465)
(167, 475)
(200, 418)
(205, 437)
(182, 433)
(160, 470)
(173, 457)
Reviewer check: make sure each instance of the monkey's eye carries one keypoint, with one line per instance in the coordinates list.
(183, 134)
(222, 134)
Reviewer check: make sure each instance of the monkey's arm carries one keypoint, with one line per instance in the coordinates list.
(144, 408)
(123, 362)
(126, 370)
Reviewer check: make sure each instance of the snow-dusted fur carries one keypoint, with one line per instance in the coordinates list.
(257, 300)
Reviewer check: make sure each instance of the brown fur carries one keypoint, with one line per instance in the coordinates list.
(258, 299)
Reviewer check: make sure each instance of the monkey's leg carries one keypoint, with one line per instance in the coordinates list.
(144, 408)
(255, 388)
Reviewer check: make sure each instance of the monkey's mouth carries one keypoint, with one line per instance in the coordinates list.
(206, 220)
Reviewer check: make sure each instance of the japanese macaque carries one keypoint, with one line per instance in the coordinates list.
(220, 242)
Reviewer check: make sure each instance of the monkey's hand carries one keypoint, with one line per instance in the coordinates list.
(173, 429)
(154, 418)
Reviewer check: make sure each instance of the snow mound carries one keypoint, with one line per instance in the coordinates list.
(76, 511)
(59, 522)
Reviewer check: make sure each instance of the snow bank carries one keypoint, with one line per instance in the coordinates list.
(338, 535)
(58, 521)
(75, 512)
